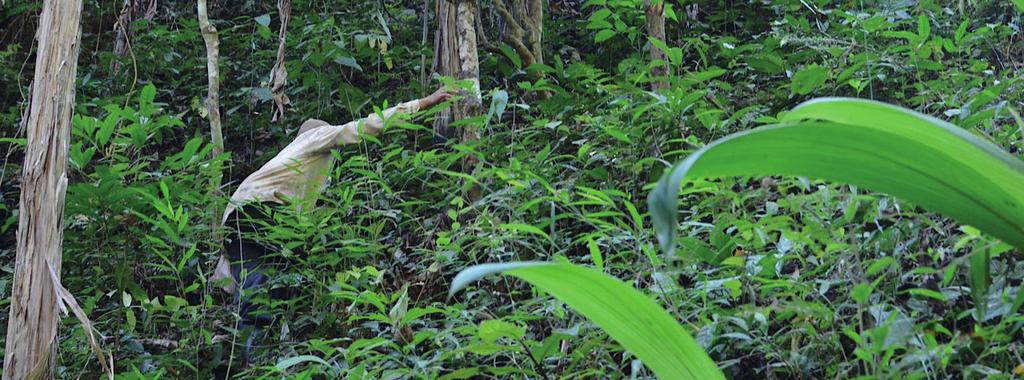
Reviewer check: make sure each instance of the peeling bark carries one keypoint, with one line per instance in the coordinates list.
(279, 74)
(32, 325)
(654, 11)
(455, 55)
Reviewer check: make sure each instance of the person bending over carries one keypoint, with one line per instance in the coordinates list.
(293, 178)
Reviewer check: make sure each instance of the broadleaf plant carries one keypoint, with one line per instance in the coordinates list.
(879, 146)
(627, 315)
(882, 147)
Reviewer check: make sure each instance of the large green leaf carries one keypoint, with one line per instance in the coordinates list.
(809, 79)
(628, 316)
(915, 157)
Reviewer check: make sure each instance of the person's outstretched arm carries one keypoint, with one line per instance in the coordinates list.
(332, 136)
(373, 123)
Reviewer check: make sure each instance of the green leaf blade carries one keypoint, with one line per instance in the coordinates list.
(284, 364)
(639, 324)
(603, 35)
(525, 228)
(881, 147)
(809, 79)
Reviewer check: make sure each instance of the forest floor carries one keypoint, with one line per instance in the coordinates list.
(773, 276)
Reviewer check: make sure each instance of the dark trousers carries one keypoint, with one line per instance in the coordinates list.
(251, 257)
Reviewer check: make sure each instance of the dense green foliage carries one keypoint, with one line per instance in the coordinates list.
(785, 277)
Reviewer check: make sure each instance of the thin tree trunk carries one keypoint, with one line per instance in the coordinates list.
(32, 325)
(446, 57)
(469, 67)
(535, 20)
(212, 104)
(455, 55)
(423, 55)
(279, 74)
(525, 22)
(133, 10)
(655, 20)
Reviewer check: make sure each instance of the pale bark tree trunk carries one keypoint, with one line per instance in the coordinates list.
(134, 10)
(455, 55)
(32, 325)
(212, 104)
(655, 21)
(525, 22)
(279, 74)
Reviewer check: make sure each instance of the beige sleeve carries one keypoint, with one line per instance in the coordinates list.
(332, 136)
(373, 124)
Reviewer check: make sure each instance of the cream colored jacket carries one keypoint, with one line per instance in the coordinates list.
(300, 171)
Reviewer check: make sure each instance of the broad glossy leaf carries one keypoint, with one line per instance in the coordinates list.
(918, 158)
(511, 55)
(628, 316)
(809, 79)
(604, 35)
(924, 27)
(492, 329)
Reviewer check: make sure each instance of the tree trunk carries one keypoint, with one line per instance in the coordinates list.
(279, 74)
(423, 55)
(32, 325)
(525, 22)
(455, 55)
(133, 10)
(212, 104)
(655, 21)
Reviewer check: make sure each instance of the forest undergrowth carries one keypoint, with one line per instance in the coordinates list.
(774, 277)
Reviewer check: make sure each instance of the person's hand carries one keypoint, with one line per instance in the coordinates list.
(442, 94)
